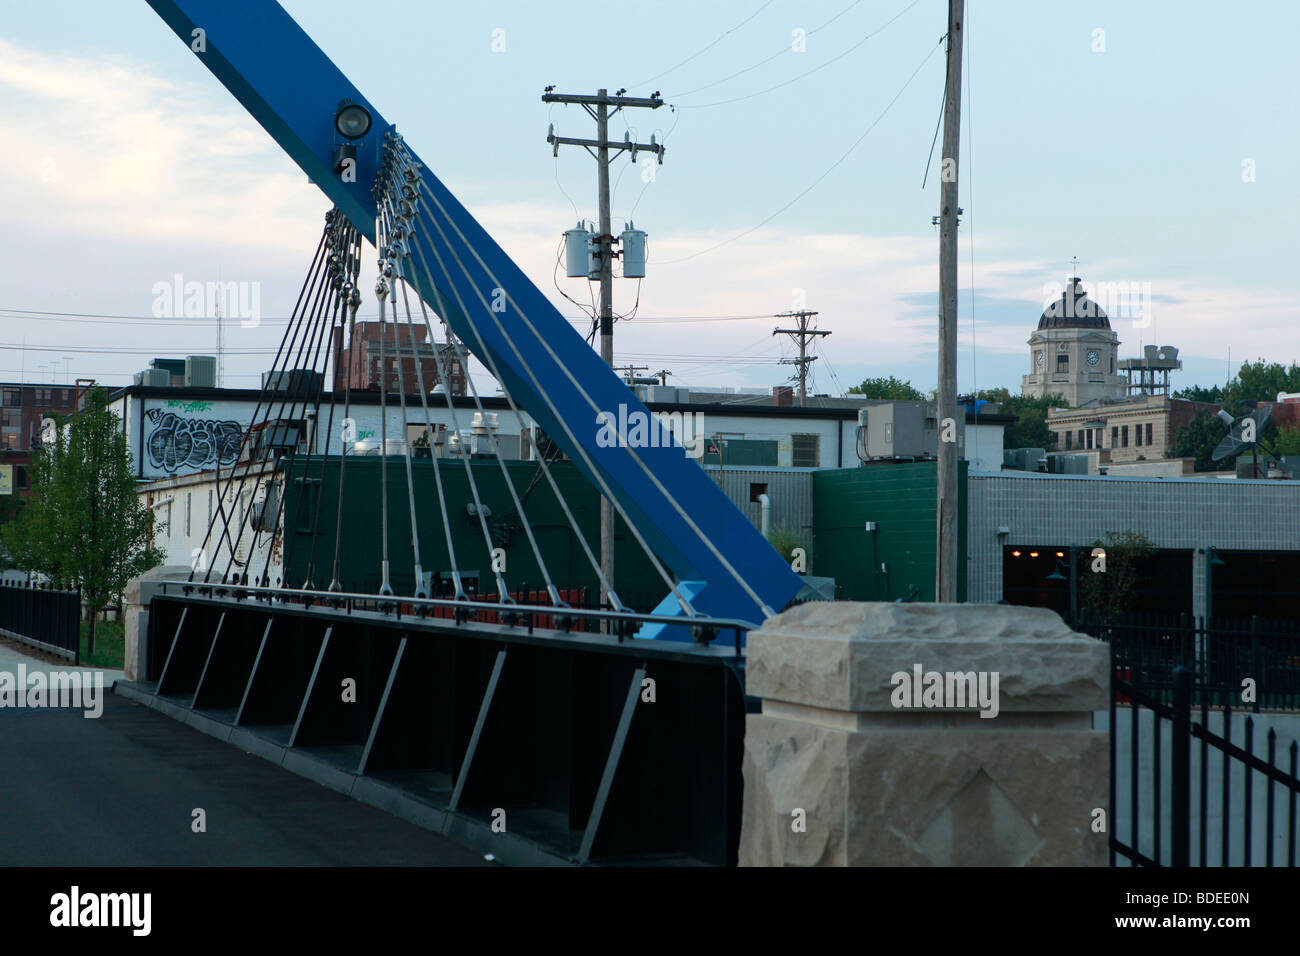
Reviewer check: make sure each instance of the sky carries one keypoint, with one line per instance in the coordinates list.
(1148, 140)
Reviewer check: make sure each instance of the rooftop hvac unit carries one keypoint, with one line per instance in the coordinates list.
(153, 378)
(906, 430)
(1023, 459)
(200, 371)
(663, 393)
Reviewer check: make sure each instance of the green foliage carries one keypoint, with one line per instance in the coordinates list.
(785, 541)
(1260, 381)
(1199, 393)
(887, 388)
(1030, 428)
(1287, 441)
(1197, 439)
(1111, 591)
(84, 525)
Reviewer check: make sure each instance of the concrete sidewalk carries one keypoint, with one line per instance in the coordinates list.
(12, 654)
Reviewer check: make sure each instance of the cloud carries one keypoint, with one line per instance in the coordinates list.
(106, 148)
(118, 162)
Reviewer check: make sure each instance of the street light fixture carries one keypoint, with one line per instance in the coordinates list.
(352, 120)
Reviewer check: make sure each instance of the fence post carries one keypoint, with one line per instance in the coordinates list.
(1180, 824)
(1254, 658)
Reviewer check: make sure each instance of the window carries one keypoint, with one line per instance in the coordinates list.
(756, 489)
(1149, 442)
(1062, 364)
(1080, 437)
(1069, 440)
(1137, 435)
(188, 496)
(12, 396)
(806, 451)
(1114, 435)
(1123, 437)
(1112, 365)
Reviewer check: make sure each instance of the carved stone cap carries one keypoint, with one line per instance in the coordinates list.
(843, 655)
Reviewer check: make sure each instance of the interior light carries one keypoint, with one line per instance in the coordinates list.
(1033, 554)
(1015, 554)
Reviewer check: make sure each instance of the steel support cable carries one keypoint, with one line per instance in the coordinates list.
(406, 229)
(313, 333)
(603, 485)
(544, 469)
(469, 470)
(381, 292)
(390, 252)
(220, 514)
(308, 282)
(352, 269)
(704, 539)
(437, 471)
(354, 303)
(341, 285)
(615, 602)
(322, 295)
(542, 394)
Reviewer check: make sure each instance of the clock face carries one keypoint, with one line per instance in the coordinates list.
(1038, 357)
(1093, 356)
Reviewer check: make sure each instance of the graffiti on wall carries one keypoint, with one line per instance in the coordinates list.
(177, 443)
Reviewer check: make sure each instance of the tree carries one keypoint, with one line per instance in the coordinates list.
(1197, 439)
(84, 525)
(1260, 381)
(887, 388)
(1111, 591)
(1288, 441)
(1030, 428)
(1199, 393)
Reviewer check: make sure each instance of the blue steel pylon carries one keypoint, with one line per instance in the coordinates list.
(293, 90)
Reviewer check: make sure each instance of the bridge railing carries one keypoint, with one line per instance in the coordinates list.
(524, 610)
(46, 618)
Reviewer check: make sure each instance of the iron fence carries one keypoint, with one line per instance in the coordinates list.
(43, 617)
(1251, 663)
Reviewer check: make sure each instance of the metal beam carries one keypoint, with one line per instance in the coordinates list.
(611, 764)
(481, 720)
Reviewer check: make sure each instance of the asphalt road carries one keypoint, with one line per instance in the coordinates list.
(120, 790)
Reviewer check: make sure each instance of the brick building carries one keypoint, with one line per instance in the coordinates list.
(358, 364)
(22, 406)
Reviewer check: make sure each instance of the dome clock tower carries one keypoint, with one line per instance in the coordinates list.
(1073, 351)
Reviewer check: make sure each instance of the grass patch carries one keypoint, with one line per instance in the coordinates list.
(110, 645)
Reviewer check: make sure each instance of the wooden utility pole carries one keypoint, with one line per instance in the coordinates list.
(801, 335)
(947, 565)
(599, 108)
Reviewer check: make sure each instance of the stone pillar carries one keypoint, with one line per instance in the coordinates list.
(886, 785)
(139, 593)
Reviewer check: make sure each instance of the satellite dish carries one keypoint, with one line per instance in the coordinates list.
(1235, 441)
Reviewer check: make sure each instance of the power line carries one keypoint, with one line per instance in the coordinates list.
(796, 79)
(706, 49)
(781, 52)
(831, 169)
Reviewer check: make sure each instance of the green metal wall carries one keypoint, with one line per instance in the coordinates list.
(306, 535)
(901, 499)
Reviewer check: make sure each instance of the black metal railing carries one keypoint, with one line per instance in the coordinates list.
(1211, 822)
(526, 608)
(43, 617)
(1251, 663)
